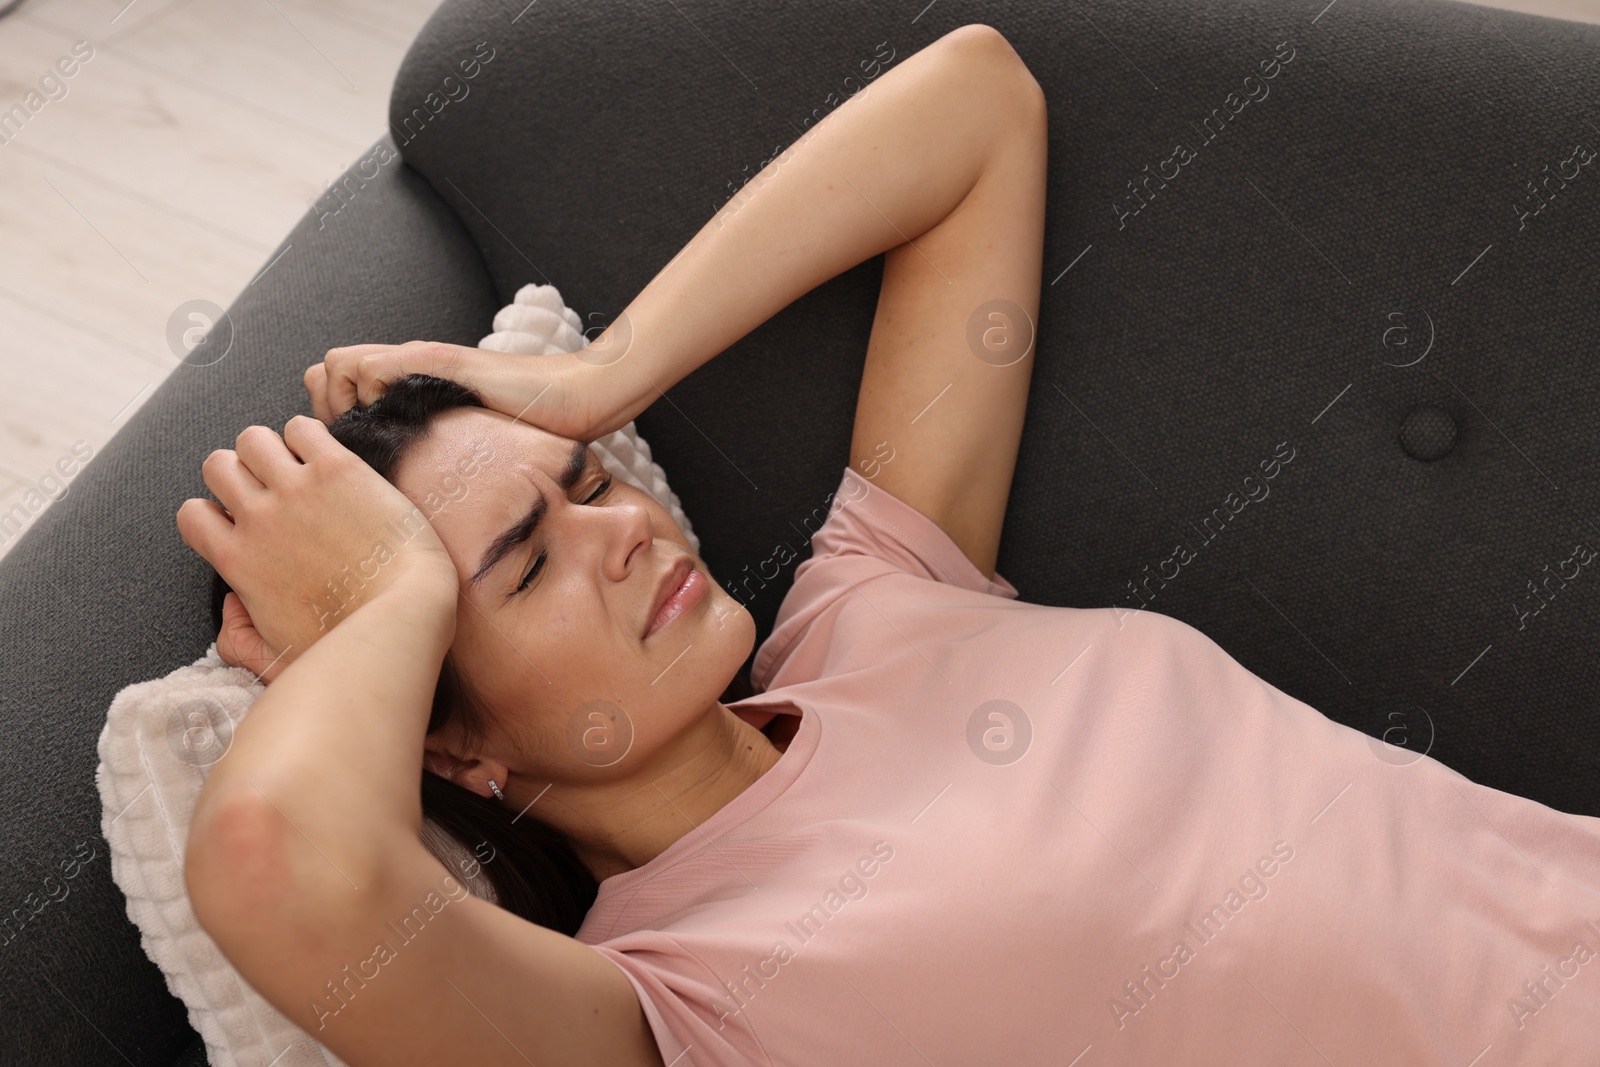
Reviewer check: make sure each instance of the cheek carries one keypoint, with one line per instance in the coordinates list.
(561, 627)
(500, 654)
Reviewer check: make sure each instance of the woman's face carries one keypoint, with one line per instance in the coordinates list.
(578, 691)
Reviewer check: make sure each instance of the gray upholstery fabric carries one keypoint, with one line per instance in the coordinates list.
(101, 592)
(194, 1055)
(1381, 574)
(1250, 293)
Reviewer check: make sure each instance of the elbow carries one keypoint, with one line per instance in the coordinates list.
(987, 47)
(233, 864)
(983, 42)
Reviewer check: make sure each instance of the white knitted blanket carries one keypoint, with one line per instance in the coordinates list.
(162, 735)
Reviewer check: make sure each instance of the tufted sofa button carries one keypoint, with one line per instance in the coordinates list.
(1428, 432)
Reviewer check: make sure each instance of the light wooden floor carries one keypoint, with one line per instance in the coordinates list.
(180, 156)
(182, 153)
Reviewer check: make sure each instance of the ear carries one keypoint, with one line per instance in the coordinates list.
(439, 761)
(470, 774)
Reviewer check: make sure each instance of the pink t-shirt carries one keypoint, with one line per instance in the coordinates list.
(1015, 834)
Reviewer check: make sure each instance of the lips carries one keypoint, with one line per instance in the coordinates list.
(669, 585)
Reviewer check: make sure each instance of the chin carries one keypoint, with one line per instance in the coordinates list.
(733, 629)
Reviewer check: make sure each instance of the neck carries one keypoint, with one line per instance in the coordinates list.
(619, 826)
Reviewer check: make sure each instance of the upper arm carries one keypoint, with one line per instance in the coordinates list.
(411, 969)
(944, 391)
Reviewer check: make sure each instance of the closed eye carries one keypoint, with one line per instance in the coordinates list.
(538, 564)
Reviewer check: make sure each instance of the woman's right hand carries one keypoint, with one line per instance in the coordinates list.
(578, 397)
(305, 533)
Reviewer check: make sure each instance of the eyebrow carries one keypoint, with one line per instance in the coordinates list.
(520, 531)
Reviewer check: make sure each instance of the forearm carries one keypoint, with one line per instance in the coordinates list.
(881, 170)
(335, 743)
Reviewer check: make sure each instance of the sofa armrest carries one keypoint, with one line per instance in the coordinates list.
(101, 592)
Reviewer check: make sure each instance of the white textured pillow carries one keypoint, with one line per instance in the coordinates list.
(161, 736)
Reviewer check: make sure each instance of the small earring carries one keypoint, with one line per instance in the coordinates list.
(496, 789)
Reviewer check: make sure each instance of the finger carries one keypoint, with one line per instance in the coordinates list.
(361, 350)
(310, 440)
(374, 372)
(379, 368)
(229, 480)
(240, 644)
(245, 646)
(341, 370)
(204, 527)
(340, 388)
(265, 455)
(316, 381)
(228, 636)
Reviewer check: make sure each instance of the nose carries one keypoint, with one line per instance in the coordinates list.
(619, 530)
(627, 537)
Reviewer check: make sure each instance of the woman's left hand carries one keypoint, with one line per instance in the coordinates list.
(580, 395)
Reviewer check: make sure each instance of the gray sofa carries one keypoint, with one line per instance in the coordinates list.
(1315, 372)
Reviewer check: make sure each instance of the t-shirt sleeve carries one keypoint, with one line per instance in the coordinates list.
(869, 532)
(680, 1005)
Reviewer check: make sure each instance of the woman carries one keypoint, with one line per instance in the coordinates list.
(951, 827)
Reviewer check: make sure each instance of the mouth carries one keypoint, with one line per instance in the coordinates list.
(680, 590)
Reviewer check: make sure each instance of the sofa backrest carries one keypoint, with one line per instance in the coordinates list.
(1314, 367)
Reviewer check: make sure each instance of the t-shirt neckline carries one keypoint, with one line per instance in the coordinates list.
(791, 762)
